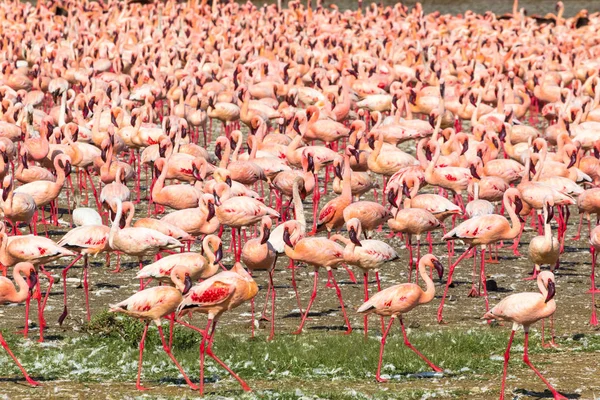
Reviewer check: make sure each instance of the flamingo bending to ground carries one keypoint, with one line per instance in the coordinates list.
(526, 309)
(400, 299)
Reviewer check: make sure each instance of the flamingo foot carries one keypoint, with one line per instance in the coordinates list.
(380, 379)
(348, 331)
(298, 332)
(141, 388)
(594, 319)
(593, 290)
(473, 292)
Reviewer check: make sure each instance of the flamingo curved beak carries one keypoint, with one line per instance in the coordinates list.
(465, 147)
(439, 268)
(405, 190)
(228, 181)
(573, 160)
(550, 214)
(219, 254)
(266, 234)
(218, 150)
(502, 134)
(474, 172)
(353, 238)
(286, 238)
(392, 198)
(67, 168)
(211, 211)
(33, 279)
(372, 142)
(338, 171)
(311, 163)
(296, 126)
(551, 290)
(187, 285)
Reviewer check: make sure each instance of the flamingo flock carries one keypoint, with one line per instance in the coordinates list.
(219, 122)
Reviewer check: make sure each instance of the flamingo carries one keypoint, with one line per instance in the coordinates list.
(259, 254)
(367, 255)
(484, 230)
(152, 305)
(318, 252)
(526, 309)
(400, 299)
(9, 294)
(224, 291)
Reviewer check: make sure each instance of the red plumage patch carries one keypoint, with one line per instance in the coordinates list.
(42, 250)
(186, 171)
(151, 141)
(451, 178)
(212, 295)
(326, 212)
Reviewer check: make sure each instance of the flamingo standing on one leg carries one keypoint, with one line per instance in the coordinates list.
(9, 294)
(484, 230)
(214, 296)
(526, 309)
(400, 299)
(152, 305)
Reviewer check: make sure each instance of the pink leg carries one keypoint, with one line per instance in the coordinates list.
(312, 299)
(65, 312)
(474, 292)
(293, 268)
(379, 290)
(339, 295)
(86, 286)
(272, 334)
(557, 396)
(366, 288)
(210, 353)
(172, 357)
(10, 353)
(593, 288)
(449, 282)
(410, 346)
(483, 280)
(139, 376)
(202, 354)
(505, 369)
(381, 348)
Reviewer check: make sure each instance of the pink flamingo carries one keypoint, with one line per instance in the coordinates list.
(259, 254)
(9, 294)
(85, 240)
(152, 305)
(484, 230)
(224, 291)
(366, 255)
(318, 252)
(400, 299)
(526, 309)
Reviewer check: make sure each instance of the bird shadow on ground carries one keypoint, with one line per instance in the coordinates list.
(19, 380)
(107, 285)
(327, 328)
(311, 314)
(546, 394)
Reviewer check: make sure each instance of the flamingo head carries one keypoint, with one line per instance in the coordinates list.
(473, 169)
(392, 194)
(353, 235)
(219, 253)
(438, 267)
(286, 237)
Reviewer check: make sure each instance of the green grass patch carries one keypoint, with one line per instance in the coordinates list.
(108, 351)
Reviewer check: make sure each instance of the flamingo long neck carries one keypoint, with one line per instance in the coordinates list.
(433, 163)
(114, 228)
(378, 146)
(238, 147)
(347, 181)
(210, 254)
(21, 295)
(500, 107)
(60, 173)
(514, 219)
(547, 227)
(225, 157)
(160, 181)
(429, 292)
(298, 207)
(542, 287)
(63, 109)
(475, 191)
(175, 277)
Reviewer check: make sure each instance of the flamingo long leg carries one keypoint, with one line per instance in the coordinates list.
(311, 301)
(557, 396)
(474, 292)
(172, 357)
(339, 295)
(10, 353)
(505, 368)
(202, 354)
(366, 288)
(139, 376)
(449, 282)
(65, 312)
(410, 346)
(273, 295)
(381, 348)
(86, 286)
